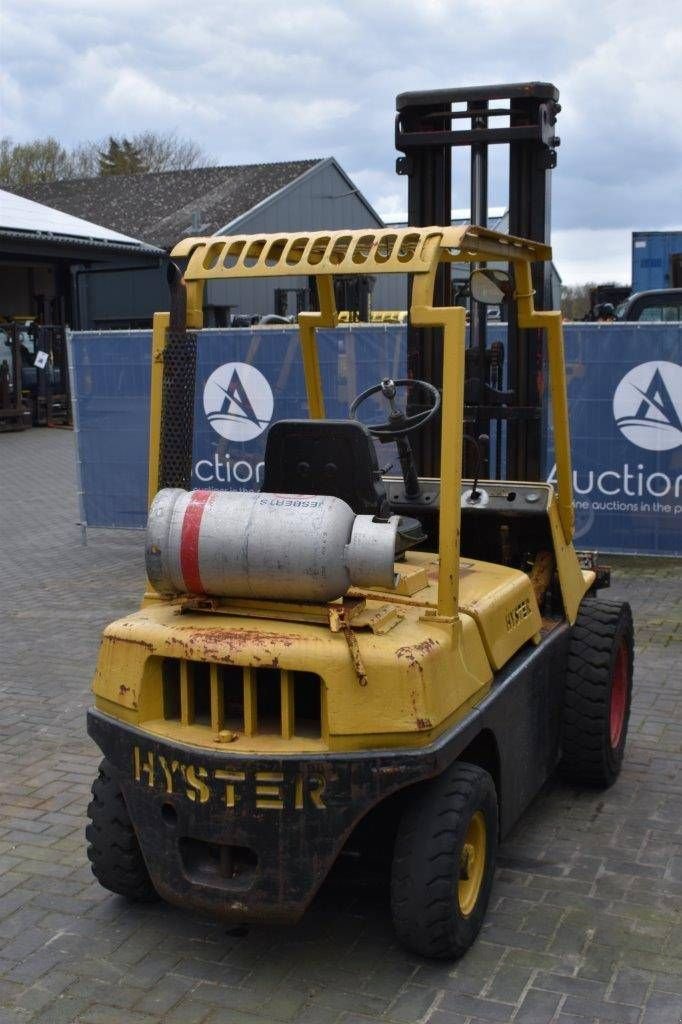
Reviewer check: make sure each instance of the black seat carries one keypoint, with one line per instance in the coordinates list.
(335, 457)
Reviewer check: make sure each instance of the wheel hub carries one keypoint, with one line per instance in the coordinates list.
(472, 864)
(619, 689)
(466, 862)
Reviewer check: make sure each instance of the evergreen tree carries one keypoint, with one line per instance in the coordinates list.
(122, 157)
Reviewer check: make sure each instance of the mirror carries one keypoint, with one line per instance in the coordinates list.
(490, 286)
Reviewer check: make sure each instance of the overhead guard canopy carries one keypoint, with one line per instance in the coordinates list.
(417, 251)
(323, 253)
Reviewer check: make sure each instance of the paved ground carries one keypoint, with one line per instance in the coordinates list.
(585, 917)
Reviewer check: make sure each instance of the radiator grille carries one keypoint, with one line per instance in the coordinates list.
(248, 701)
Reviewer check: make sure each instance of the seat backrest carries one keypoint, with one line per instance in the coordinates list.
(334, 457)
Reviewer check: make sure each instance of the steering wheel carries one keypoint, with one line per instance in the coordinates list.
(399, 424)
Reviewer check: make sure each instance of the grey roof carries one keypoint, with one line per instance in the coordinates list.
(163, 207)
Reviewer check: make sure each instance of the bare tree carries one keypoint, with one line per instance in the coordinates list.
(41, 160)
(48, 160)
(168, 152)
(85, 160)
(576, 300)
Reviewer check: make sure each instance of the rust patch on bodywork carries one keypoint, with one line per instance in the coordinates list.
(414, 652)
(229, 645)
(123, 692)
(237, 639)
(146, 644)
(422, 723)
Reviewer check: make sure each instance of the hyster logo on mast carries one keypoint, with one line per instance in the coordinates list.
(647, 405)
(238, 401)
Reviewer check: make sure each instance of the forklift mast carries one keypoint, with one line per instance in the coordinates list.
(523, 117)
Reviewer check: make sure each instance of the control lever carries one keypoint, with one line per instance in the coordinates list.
(482, 441)
(397, 419)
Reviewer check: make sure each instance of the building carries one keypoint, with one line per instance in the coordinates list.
(161, 208)
(44, 252)
(44, 256)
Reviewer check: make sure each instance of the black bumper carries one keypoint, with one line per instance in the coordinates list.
(281, 821)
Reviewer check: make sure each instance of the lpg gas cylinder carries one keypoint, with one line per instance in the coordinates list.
(302, 547)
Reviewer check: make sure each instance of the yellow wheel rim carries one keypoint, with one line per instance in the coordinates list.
(471, 864)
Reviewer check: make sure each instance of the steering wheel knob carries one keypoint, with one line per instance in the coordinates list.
(388, 388)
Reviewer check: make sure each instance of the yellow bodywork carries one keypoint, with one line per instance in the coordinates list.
(396, 667)
(423, 672)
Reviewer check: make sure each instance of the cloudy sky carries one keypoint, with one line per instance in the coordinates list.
(289, 79)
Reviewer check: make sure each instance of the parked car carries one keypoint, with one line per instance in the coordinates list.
(662, 304)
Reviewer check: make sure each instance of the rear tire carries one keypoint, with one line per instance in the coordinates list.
(598, 693)
(444, 861)
(113, 849)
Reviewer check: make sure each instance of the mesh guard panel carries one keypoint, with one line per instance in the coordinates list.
(177, 409)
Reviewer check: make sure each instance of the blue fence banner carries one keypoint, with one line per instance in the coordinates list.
(246, 379)
(625, 401)
(110, 382)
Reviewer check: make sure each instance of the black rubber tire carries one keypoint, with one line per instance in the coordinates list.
(113, 849)
(588, 756)
(426, 862)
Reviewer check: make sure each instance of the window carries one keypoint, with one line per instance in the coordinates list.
(668, 313)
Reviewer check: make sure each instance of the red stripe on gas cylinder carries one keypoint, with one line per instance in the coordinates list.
(189, 541)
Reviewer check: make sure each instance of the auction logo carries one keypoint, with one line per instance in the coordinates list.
(647, 405)
(238, 401)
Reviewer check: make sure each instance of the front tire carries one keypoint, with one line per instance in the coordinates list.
(113, 849)
(598, 693)
(444, 861)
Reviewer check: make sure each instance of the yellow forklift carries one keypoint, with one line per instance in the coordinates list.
(345, 657)
(44, 374)
(15, 413)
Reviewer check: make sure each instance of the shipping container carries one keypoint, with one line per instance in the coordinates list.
(656, 260)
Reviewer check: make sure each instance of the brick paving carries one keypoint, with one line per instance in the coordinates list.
(585, 919)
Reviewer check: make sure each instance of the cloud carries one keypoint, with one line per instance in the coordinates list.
(582, 255)
(287, 79)
(141, 97)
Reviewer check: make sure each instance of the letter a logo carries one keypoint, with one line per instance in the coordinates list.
(647, 406)
(238, 401)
